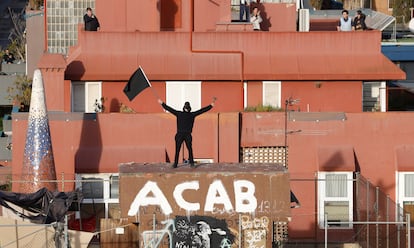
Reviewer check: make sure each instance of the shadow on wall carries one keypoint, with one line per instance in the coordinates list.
(168, 10)
(75, 70)
(265, 24)
(115, 105)
(88, 156)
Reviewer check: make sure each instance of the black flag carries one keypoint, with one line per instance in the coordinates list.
(136, 83)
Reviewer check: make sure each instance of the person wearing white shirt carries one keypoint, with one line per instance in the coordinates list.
(345, 22)
(256, 19)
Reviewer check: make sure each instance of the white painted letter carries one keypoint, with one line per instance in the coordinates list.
(222, 197)
(142, 199)
(178, 196)
(246, 202)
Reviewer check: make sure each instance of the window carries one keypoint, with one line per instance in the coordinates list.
(100, 189)
(85, 95)
(180, 92)
(271, 93)
(405, 192)
(63, 18)
(335, 194)
(390, 4)
(374, 96)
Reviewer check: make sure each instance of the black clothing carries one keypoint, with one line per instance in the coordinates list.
(188, 139)
(8, 58)
(359, 23)
(91, 23)
(185, 120)
(185, 123)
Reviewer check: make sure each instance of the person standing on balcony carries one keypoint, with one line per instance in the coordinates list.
(245, 10)
(345, 23)
(185, 123)
(256, 19)
(8, 57)
(359, 21)
(91, 21)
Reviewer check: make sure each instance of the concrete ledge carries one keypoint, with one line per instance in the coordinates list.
(13, 68)
(234, 26)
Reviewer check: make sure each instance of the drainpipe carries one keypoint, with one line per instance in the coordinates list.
(213, 52)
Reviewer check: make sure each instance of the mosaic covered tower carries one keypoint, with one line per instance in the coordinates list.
(38, 162)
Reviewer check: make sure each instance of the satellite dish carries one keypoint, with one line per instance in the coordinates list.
(411, 25)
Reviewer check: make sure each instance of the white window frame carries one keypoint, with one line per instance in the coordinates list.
(179, 92)
(106, 180)
(322, 198)
(277, 87)
(89, 106)
(390, 8)
(245, 94)
(400, 179)
(379, 91)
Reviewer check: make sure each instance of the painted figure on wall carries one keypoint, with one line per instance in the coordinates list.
(202, 232)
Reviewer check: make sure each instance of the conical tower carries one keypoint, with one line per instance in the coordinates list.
(38, 162)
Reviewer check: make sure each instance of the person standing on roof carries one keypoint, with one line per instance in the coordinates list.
(185, 123)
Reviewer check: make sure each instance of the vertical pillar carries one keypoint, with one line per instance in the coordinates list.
(38, 162)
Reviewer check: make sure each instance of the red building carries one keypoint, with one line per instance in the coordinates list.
(191, 50)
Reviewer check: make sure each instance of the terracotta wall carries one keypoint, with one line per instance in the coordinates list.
(175, 15)
(84, 144)
(128, 15)
(145, 102)
(89, 143)
(318, 96)
(229, 97)
(324, 96)
(278, 17)
(52, 67)
(314, 96)
(215, 134)
(381, 143)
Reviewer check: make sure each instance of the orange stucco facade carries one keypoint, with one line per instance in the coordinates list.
(90, 144)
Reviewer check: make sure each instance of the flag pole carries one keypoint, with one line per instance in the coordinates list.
(152, 90)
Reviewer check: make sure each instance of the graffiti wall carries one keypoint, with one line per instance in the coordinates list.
(210, 206)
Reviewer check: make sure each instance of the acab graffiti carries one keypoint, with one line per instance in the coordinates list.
(244, 195)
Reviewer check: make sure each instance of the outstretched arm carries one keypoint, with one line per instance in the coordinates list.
(207, 108)
(168, 108)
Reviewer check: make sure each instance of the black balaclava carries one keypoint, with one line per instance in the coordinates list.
(187, 107)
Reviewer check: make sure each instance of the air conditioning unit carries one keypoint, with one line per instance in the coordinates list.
(303, 20)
